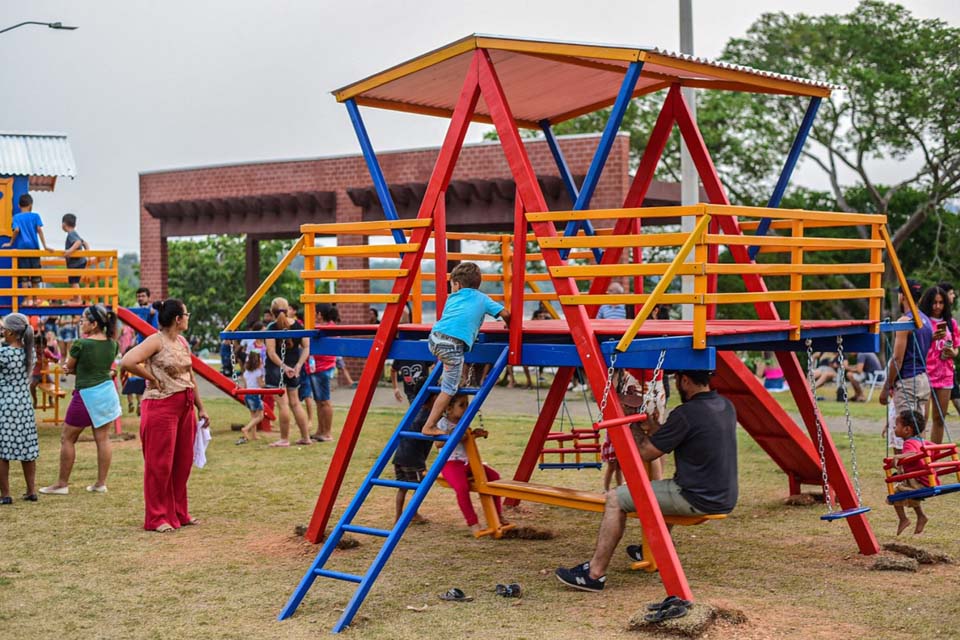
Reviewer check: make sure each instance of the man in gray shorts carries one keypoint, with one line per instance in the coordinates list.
(701, 433)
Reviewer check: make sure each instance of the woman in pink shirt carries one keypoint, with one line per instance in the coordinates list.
(940, 357)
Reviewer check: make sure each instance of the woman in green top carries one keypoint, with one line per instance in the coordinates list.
(95, 402)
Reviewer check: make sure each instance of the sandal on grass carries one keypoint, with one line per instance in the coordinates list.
(455, 595)
(669, 613)
(304, 442)
(190, 522)
(164, 528)
(669, 601)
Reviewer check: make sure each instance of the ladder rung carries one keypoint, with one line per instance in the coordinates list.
(362, 250)
(396, 484)
(338, 575)
(463, 390)
(379, 298)
(356, 274)
(416, 435)
(370, 531)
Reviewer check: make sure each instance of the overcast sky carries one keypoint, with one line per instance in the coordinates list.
(146, 85)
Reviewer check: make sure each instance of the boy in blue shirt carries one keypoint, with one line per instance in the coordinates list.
(454, 334)
(27, 234)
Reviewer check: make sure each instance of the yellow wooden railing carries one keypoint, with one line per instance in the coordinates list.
(792, 235)
(99, 281)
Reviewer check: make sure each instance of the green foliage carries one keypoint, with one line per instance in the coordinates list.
(208, 275)
(128, 267)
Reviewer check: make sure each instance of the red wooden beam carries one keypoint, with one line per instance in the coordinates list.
(654, 526)
(439, 180)
(793, 373)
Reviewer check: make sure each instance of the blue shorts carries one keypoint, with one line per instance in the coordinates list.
(254, 402)
(449, 351)
(304, 390)
(320, 385)
(67, 332)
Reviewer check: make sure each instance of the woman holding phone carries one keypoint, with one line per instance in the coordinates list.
(940, 357)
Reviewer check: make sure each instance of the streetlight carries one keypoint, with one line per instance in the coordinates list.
(52, 25)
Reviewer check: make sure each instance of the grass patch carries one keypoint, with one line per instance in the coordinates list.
(81, 564)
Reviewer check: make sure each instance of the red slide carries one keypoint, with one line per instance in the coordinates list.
(204, 370)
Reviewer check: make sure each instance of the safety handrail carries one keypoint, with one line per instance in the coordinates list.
(99, 279)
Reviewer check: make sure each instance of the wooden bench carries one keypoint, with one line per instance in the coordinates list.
(578, 499)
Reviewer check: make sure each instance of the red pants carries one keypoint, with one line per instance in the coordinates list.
(167, 430)
(457, 475)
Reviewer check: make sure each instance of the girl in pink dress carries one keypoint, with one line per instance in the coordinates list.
(940, 357)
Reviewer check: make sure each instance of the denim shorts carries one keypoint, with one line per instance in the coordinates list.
(254, 402)
(449, 351)
(320, 385)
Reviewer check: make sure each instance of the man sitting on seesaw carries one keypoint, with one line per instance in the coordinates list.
(702, 434)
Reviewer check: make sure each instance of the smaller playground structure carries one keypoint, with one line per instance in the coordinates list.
(520, 83)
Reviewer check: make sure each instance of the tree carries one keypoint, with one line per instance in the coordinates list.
(208, 275)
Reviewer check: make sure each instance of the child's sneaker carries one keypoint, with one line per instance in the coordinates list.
(578, 577)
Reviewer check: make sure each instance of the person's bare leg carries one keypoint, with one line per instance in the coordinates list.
(324, 419)
(903, 521)
(104, 454)
(611, 531)
(30, 476)
(608, 474)
(68, 454)
(857, 389)
(656, 469)
(439, 406)
(309, 404)
(4, 478)
(283, 405)
(250, 430)
(921, 520)
(301, 417)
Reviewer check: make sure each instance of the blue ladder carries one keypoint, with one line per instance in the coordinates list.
(420, 490)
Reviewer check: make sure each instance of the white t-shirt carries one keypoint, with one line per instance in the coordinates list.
(251, 379)
(460, 453)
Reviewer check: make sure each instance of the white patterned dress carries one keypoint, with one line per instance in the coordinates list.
(18, 423)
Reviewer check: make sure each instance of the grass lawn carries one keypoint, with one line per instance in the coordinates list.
(81, 566)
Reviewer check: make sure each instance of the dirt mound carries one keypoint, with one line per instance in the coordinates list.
(920, 555)
(700, 618)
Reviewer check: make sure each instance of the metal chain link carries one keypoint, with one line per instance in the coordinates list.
(233, 365)
(846, 410)
(651, 396)
(606, 388)
(816, 414)
(283, 361)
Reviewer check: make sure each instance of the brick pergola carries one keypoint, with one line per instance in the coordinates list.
(267, 200)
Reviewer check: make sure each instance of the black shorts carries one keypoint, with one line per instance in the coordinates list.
(29, 263)
(272, 378)
(409, 474)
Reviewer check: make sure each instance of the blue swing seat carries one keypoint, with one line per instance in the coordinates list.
(926, 492)
(846, 513)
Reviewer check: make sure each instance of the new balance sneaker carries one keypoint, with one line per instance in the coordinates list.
(578, 577)
(635, 552)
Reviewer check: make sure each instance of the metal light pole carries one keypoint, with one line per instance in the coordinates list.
(689, 180)
(52, 25)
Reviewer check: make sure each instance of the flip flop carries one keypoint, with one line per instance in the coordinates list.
(671, 612)
(304, 442)
(279, 443)
(164, 528)
(513, 590)
(455, 595)
(669, 601)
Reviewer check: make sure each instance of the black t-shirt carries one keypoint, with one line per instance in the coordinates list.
(413, 373)
(292, 353)
(702, 433)
(410, 452)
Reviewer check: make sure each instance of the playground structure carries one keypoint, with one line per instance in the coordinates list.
(515, 83)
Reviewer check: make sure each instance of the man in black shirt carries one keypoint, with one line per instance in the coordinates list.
(702, 434)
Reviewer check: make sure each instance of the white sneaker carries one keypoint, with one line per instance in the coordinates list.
(55, 491)
(95, 489)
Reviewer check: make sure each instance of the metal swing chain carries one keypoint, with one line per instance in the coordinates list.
(283, 361)
(846, 411)
(606, 388)
(233, 365)
(823, 459)
(651, 396)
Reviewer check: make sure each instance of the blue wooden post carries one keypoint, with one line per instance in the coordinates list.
(788, 168)
(567, 177)
(606, 143)
(373, 165)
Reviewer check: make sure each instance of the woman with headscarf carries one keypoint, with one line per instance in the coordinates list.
(168, 418)
(95, 402)
(18, 423)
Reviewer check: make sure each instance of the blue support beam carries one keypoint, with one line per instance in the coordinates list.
(788, 168)
(603, 149)
(373, 165)
(567, 178)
